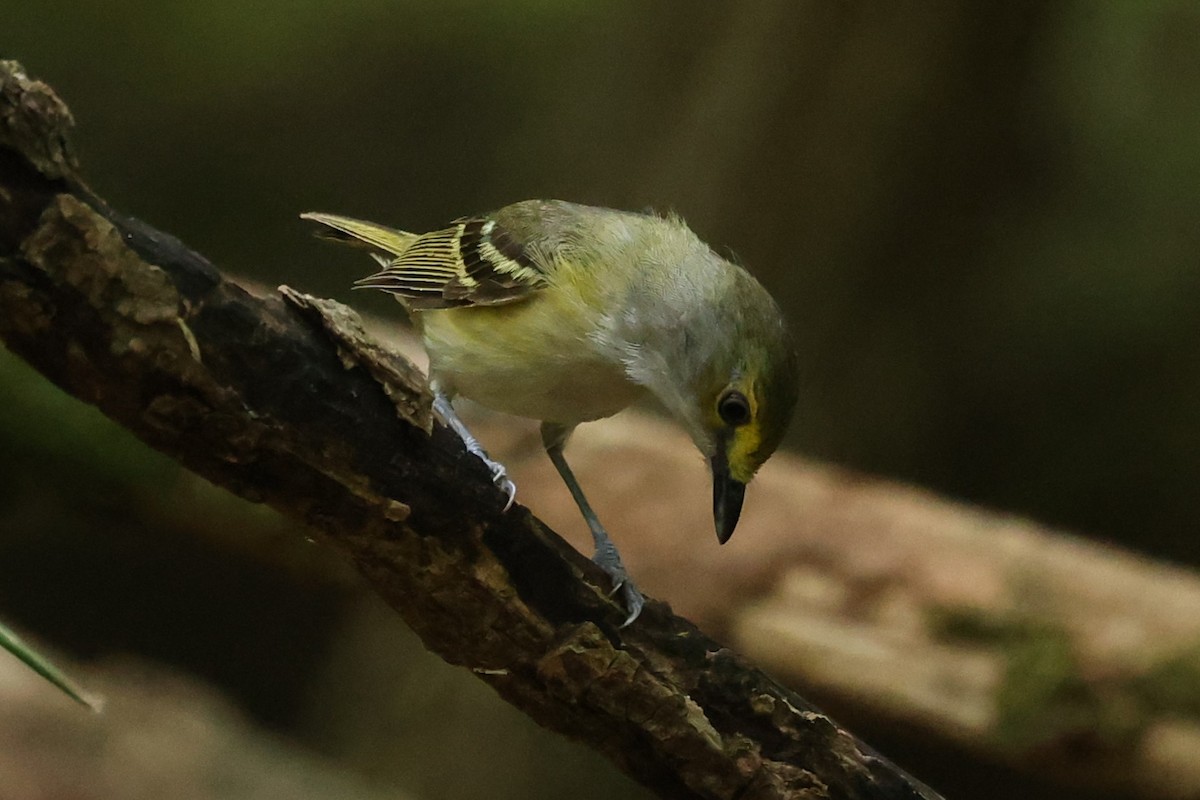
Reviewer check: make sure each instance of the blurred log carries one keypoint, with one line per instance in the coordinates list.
(284, 400)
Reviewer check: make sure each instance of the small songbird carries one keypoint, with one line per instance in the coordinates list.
(567, 313)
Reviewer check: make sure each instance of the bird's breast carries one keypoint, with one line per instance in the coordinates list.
(536, 360)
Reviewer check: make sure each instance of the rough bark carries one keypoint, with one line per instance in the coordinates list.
(284, 400)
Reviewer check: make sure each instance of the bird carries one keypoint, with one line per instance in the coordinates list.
(567, 313)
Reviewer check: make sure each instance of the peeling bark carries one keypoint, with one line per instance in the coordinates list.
(284, 400)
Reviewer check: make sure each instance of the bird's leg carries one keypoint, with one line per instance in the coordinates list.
(445, 410)
(554, 438)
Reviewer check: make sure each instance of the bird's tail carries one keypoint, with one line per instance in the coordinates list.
(380, 239)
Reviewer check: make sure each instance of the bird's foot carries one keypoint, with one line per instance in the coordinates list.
(609, 560)
(631, 599)
(444, 408)
(500, 478)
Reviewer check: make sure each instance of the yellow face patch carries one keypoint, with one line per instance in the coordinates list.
(744, 442)
(742, 449)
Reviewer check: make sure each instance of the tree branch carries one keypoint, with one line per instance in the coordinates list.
(283, 400)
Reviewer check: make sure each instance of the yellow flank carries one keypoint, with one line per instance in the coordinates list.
(536, 358)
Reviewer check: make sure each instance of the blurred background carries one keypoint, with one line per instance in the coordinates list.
(981, 219)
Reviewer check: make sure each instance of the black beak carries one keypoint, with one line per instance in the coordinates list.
(727, 497)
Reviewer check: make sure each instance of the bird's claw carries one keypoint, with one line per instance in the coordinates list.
(631, 598)
(501, 480)
(504, 484)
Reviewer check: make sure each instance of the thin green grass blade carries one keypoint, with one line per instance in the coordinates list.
(15, 645)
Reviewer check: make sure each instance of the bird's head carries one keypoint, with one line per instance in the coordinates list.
(714, 350)
(742, 393)
(745, 417)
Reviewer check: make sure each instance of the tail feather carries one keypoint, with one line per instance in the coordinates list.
(359, 233)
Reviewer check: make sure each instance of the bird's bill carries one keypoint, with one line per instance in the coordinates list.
(727, 498)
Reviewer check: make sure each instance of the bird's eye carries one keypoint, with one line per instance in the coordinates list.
(734, 408)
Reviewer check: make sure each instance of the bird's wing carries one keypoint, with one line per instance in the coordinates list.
(473, 262)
